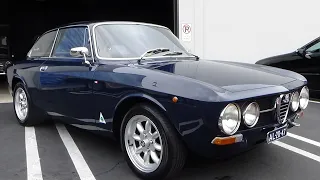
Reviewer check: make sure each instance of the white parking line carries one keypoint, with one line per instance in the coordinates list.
(33, 161)
(75, 154)
(315, 143)
(5, 101)
(297, 150)
(317, 102)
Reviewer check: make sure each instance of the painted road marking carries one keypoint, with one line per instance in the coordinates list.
(297, 150)
(317, 102)
(5, 101)
(79, 162)
(33, 161)
(315, 143)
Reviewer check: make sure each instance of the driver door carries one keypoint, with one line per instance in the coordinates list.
(66, 82)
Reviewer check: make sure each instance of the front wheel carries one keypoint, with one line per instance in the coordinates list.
(27, 114)
(152, 147)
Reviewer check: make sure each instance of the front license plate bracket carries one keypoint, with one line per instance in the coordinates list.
(276, 134)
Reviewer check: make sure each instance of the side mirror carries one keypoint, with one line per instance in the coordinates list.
(300, 51)
(308, 55)
(79, 52)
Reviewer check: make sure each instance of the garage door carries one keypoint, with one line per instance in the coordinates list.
(29, 19)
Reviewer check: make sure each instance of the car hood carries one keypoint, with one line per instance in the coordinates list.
(230, 76)
(293, 56)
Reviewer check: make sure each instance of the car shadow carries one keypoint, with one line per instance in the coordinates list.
(106, 160)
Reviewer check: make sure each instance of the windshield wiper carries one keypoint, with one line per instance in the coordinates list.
(152, 52)
(174, 53)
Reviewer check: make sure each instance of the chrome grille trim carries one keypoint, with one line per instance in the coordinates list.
(282, 106)
(267, 110)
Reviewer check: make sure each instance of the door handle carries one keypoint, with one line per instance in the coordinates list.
(43, 68)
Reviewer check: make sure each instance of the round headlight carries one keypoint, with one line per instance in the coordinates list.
(251, 114)
(304, 97)
(230, 119)
(295, 101)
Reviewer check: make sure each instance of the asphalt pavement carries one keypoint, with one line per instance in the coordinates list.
(64, 157)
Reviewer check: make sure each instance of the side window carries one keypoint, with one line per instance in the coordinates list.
(314, 48)
(69, 38)
(43, 46)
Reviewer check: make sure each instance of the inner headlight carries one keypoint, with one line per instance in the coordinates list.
(295, 101)
(251, 114)
(304, 97)
(230, 119)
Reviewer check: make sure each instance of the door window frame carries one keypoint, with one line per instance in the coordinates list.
(87, 30)
(44, 34)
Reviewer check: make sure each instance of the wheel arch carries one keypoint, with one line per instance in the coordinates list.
(16, 79)
(126, 103)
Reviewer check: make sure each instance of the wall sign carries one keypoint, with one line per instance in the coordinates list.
(186, 32)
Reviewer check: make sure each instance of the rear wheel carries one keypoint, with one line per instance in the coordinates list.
(27, 114)
(152, 147)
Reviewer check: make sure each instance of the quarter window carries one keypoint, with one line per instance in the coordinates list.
(70, 38)
(43, 46)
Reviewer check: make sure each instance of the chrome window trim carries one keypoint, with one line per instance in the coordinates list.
(54, 42)
(90, 41)
(28, 54)
(128, 23)
(72, 26)
(63, 57)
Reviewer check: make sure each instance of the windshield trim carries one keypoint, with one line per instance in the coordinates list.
(131, 58)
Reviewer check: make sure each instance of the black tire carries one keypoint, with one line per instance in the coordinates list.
(174, 151)
(34, 115)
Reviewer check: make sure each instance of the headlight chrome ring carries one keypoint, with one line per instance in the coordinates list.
(304, 98)
(230, 119)
(251, 114)
(295, 101)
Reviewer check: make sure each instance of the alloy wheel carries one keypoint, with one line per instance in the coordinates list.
(143, 143)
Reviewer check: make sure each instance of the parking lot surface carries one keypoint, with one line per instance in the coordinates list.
(60, 152)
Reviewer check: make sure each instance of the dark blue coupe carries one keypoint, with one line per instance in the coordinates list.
(137, 83)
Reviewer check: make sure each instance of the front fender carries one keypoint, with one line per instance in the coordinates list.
(143, 96)
(13, 80)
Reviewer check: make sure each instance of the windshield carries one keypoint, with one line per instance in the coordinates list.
(133, 40)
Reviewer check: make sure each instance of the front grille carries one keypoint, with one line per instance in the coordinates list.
(283, 103)
(274, 109)
(267, 104)
(283, 111)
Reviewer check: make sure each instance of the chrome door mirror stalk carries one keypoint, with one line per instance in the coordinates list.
(81, 52)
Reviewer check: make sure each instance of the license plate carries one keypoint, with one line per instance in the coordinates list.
(276, 134)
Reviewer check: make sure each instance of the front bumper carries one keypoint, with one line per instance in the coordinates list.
(221, 147)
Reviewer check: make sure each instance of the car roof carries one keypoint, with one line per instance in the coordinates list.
(88, 23)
